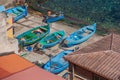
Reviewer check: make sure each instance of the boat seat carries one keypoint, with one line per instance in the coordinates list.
(58, 35)
(53, 15)
(80, 32)
(83, 30)
(20, 9)
(90, 28)
(56, 64)
(51, 39)
(15, 11)
(86, 31)
(65, 53)
(44, 29)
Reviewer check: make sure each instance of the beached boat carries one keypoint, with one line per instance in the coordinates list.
(53, 18)
(52, 39)
(33, 35)
(2, 8)
(80, 35)
(57, 64)
(17, 12)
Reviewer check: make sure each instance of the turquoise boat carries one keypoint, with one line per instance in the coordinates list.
(80, 35)
(57, 64)
(33, 35)
(18, 12)
(51, 39)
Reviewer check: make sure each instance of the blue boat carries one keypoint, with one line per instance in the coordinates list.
(57, 64)
(80, 35)
(2, 8)
(53, 18)
(33, 35)
(52, 39)
(18, 12)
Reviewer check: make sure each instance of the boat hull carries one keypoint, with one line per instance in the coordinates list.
(17, 12)
(53, 19)
(57, 64)
(30, 37)
(52, 39)
(80, 35)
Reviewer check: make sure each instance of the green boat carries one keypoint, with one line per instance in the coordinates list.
(33, 35)
(51, 39)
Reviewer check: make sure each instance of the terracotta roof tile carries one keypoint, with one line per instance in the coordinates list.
(116, 43)
(12, 63)
(109, 42)
(101, 57)
(3, 73)
(13, 67)
(103, 63)
(34, 73)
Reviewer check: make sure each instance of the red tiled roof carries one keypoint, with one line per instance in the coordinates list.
(13, 67)
(116, 43)
(109, 42)
(103, 63)
(34, 73)
(12, 63)
(3, 73)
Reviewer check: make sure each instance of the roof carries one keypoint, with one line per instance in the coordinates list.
(14, 67)
(33, 73)
(109, 42)
(12, 63)
(103, 63)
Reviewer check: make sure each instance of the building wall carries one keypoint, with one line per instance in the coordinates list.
(6, 44)
(83, 73)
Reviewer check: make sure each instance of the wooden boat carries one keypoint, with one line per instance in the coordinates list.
(18, 12)
(52, 39)
(57, 64)
(53, 18)
(33, 35)
(80, 35)
(2, 8)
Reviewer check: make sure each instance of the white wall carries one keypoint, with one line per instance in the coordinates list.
(6, 45)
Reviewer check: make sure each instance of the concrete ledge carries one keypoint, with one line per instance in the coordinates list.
(6, 53)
